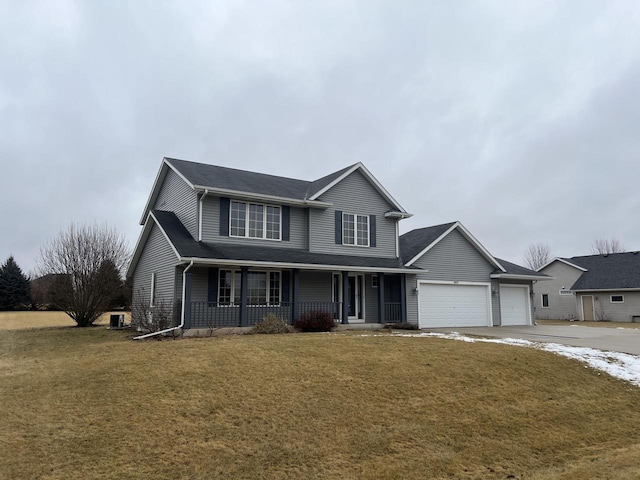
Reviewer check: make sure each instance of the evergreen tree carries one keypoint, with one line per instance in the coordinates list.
(14, 286)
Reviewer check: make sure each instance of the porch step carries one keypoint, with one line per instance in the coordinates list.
(360, 326)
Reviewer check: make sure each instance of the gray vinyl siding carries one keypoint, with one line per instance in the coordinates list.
(199, 284)
(315, 286)
(495, 302)
(412, 299)
(178, 197)
(560, 306)
(370, 301)
(211, 228)
(453, 259)
(613, 312)
(357, 196)
(157, 257)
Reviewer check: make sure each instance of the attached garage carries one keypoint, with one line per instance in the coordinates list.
(514, 305)
(453, 305)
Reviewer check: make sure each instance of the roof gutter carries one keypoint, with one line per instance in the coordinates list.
(304, 266)
(263, 197)
(202, 197)
(520, 277)
(184, 293)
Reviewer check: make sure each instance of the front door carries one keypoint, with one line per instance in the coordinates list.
(587, 308)
(356, 312)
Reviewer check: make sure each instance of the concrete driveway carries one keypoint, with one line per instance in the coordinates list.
(625, 340)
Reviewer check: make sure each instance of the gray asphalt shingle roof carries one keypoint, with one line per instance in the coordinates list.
(608, 272)
(188, 247)
(244, 181)
(413, 242)
(513, 269)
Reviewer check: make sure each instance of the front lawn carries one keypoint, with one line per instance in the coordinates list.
(91, 403)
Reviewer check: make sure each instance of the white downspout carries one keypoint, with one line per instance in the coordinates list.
(206, 192)
(184, 294)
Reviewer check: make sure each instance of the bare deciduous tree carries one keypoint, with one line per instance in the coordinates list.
(83, 258)
(537, 255)
(150, 319)
(603, 246)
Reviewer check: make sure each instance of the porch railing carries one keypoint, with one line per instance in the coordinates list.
(393, 312)
(217, 315)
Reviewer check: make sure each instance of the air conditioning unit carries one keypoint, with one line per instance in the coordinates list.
(116, 321)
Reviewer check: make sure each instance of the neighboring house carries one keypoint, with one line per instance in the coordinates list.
(224, 247)
(460, 284)
(593, 287)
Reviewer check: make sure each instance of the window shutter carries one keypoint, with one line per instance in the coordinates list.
(224, 216)
(338, 227)
(213, 285)
(286, 285)
(285, 223)
(372, 230)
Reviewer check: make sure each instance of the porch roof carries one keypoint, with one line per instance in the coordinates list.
(189, 249)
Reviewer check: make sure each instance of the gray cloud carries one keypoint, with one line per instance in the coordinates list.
(518, 120)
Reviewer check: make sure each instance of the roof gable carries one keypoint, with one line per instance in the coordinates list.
(563, 260)
(243, 183)
(416, 243)
(328, 182)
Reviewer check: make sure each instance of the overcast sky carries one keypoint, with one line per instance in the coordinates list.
(520, 119)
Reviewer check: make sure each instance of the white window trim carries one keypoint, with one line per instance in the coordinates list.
(542, 300)
(152, 297)
(565, 292)
(264, 221)
(355, 230)
(236, 301)
(611, 298)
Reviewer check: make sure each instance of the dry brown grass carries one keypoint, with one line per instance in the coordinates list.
(590, 324)
(22, 320)
(91, 403)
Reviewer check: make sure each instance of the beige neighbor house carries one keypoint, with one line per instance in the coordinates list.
(592, 287)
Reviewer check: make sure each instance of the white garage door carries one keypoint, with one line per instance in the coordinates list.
(453, 305)
(514, 305)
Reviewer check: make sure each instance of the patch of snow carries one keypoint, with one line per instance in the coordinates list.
(619, 365)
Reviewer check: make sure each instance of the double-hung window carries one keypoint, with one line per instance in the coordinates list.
(255, 220)
(355, 230)
(263, 288)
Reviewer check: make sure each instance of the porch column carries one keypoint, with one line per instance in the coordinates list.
(381, 310)
(187, 301)
(295, 294)
(345, 297)
(244, 290)
(403, 297)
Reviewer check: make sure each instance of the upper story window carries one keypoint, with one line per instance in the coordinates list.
(355, 230)
(254, 220)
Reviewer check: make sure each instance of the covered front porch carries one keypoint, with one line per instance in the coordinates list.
(227, 296)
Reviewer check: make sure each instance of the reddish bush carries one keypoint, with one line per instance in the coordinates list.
(315, 321)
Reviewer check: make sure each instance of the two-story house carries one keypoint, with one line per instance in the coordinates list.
(224, 247)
